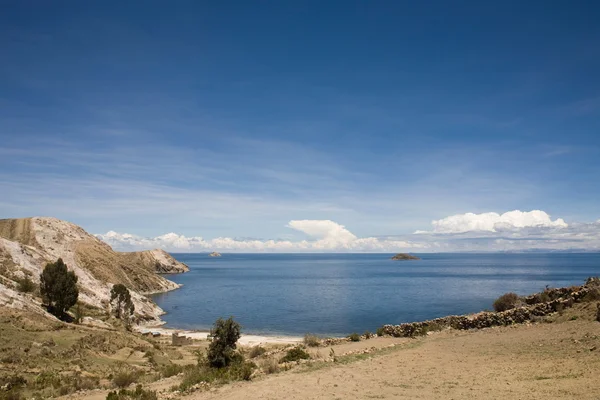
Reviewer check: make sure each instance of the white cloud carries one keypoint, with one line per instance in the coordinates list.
(328, 236)
(494, 222)
(511, 231)
(324, 230)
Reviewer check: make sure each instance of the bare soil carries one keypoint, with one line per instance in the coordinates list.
(557, 359)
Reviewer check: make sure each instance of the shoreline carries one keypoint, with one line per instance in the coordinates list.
(527, 308)
(245, 340)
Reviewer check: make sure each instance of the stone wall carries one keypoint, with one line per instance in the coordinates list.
(537, 305)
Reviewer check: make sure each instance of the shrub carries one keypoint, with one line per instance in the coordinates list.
(598, 312)
(120, 298)
(138, 394)
(241, 371)
(380, 331)
(355, 337)
(433, 327)
(256, 351)
(78, 313)
(25, 285)
(332, 355)
(269, 366)
(592, 295)
(11, 394)
(238, 370)
(85, 382)
(58, 287)
(123, 379)
(368, 335)
(10, 358)
(171, 370)
(592, 281)
(12, 381)
(193, 376)
(506, 302)
(10, 387)
(312, 340)
(295, 354)
(47, 379)
(224, 336)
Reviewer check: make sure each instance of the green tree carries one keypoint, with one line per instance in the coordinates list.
(120, 298)
(224, 335)
(58, 287)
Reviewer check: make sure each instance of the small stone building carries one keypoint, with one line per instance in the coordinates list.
(180, 340)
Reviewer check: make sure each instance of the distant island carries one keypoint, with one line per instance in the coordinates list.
(214, 254)
(404, 256)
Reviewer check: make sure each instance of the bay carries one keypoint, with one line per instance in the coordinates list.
(337, 294)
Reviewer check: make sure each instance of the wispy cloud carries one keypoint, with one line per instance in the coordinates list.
(238, 187)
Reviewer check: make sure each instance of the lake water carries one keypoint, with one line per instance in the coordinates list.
(337, 294)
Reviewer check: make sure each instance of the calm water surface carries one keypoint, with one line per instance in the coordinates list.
(336, 294)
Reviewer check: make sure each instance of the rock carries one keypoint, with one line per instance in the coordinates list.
(161, 261)
(214, 254)
(404, 256)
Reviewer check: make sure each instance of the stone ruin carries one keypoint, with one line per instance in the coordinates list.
(177, 340)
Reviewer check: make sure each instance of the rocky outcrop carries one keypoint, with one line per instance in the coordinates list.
(160, 260)
(559, 299)
(28, 244)
(214, 254)
(404, 256)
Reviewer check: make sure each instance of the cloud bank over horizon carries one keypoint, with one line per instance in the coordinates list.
(510, 231)
(327, 236)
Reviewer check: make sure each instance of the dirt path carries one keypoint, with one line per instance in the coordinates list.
(543, 361)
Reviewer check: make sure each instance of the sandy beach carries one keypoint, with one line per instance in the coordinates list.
(245, 340)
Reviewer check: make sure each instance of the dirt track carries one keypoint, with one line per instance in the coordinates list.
(541, 361)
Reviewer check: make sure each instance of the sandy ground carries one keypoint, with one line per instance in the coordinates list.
(541, 361)
(245, 340)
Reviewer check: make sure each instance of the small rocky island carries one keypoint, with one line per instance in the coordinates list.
(214, 254)
(404, 256)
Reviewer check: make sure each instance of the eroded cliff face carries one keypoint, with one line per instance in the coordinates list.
(28, 244)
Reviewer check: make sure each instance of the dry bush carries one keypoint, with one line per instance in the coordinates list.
(592, 295)
(269, 366)
(506, 302)
(256, 351)
(123, 379)
(295, 354)
(312, 340)
(26, 285)
(138, 394)
(237, 370)
(171, 370)
(355, 337)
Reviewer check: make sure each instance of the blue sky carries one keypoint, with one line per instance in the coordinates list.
(233, 118)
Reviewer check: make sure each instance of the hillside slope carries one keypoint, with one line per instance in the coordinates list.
(27, 244)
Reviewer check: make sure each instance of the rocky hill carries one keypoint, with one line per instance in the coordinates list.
(27, 244)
